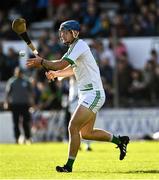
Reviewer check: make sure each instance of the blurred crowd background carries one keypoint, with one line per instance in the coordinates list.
(102, 19)
(97, 18)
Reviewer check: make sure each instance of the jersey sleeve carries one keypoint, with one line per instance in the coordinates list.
(75, 52)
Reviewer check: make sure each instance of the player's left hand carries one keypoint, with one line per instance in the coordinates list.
(34, 62)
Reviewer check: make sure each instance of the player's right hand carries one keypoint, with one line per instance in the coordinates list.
(50, 75)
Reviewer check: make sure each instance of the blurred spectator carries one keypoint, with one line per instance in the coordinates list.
(148, 75)
(106, 71)
(4, 75)
(36, 90)
(154, 56)
(94, 48)
(55, 46)
(109, 91)
(120, 49)
(41, 9)
(30, 13)
(62, 14)
(124, 70)
(76, 11)
(137, 89)
(107, 78)
(119, 26)
(19, 98)
(109, 53)
(13, 61)
(156, 85)
(128, 18)
(91, 19)
(135, 26)
(5, 25)
(104, 25)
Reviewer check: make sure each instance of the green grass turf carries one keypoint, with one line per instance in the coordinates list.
(38, 161)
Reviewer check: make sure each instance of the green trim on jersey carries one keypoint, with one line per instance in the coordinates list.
(88, 87)
(65, 57)
(95, 100)
(71, 47)
(69, 60)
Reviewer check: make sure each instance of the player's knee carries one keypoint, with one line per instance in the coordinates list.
(73, 128)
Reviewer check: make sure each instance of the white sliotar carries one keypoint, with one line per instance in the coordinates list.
(22, 53)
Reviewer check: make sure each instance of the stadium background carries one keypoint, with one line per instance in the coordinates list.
(124, 38)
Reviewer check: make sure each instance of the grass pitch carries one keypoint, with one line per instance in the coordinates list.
(38, 161)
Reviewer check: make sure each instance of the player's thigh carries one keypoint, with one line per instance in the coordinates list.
(81, 117)
(88, 127)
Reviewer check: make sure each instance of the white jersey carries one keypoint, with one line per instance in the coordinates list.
(84, 66)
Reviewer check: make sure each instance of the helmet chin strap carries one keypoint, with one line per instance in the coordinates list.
(75, 33)
(75, 36)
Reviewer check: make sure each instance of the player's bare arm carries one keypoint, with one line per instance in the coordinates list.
(68, 71)
(38, 62)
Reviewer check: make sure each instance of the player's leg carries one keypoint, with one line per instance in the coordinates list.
(15, 117)
(95, 101)
(26, 124)
(81, 117)
(88, 145)
(82, 121)
(90, 133)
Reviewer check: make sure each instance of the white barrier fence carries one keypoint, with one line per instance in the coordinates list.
(135, 123)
